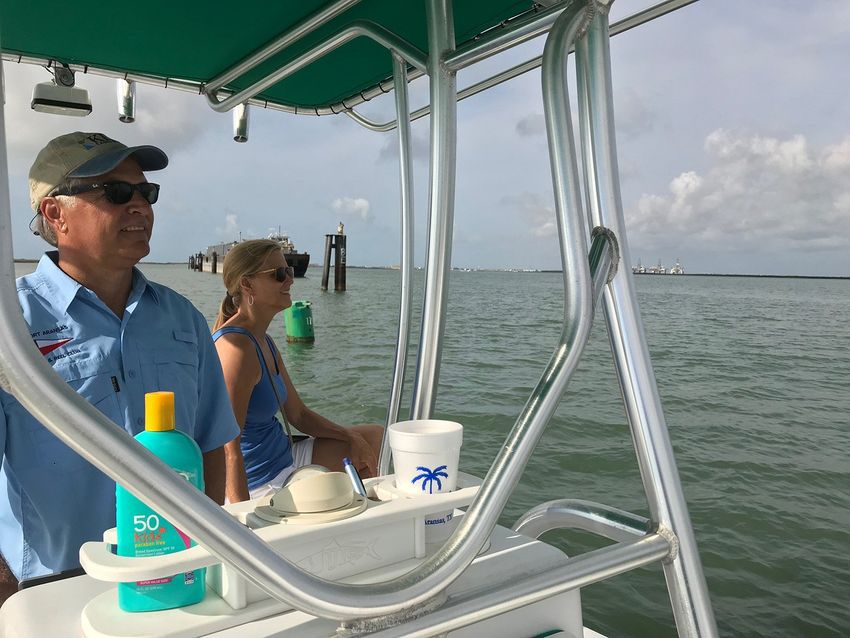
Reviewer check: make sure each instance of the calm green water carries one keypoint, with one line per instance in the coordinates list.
(755, 379)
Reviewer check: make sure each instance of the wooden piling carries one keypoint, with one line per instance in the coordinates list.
(339, 263)
(326, 267)
(335, 244)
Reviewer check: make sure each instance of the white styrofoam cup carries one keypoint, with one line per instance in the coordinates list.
(426, 453)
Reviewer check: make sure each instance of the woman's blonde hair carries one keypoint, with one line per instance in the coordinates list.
(243, 260)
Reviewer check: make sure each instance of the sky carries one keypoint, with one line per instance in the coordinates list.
(733, 132)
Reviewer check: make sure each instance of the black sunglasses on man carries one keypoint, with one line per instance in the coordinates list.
(116, 192)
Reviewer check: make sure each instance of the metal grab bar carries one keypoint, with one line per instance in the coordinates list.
(510, 35)
(357, 29)
(405, 162)
(577, 571)
(441, 203)
(685, 580)
(294, 34)
(532, 29)
(603, 520)
(602, 263)
(506, 470)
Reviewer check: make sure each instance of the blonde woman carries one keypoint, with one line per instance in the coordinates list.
(258, 282)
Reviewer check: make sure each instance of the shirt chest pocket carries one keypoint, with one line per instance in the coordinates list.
(52, 454)
(174, 368)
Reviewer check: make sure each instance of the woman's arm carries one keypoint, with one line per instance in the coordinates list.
(214, 474)
(236, 486)
(241, 370)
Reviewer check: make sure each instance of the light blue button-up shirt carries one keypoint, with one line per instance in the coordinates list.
(51, 500)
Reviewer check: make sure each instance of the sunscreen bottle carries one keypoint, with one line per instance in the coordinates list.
(143, 532)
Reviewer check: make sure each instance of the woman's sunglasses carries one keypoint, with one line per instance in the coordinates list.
(115, 192)
(281, 273)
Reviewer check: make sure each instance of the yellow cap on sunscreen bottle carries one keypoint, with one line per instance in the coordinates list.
(159, 411)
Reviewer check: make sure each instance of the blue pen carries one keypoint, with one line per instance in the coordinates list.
(354, 476)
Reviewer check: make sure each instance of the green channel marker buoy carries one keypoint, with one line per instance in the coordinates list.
(298, 319)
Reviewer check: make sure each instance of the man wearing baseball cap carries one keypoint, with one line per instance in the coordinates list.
(112, 335)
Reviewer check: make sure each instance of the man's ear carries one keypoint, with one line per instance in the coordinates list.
(53, 214)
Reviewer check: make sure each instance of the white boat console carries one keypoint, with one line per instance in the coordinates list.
(387, 538)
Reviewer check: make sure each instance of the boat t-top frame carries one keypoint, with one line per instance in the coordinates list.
(592, 243)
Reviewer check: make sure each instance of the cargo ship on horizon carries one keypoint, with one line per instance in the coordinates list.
(211, 259)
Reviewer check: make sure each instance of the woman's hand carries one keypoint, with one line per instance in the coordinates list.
(362, 456)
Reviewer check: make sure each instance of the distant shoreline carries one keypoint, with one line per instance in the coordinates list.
(717, 274)
(689, 274)
(712, 274)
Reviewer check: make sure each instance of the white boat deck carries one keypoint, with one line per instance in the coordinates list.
(55, 609)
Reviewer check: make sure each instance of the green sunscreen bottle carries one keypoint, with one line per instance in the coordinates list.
(143, 532)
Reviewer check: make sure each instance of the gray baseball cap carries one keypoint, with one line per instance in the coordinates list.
(84, 155)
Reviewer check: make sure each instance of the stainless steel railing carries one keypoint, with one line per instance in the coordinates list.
(686, 582)
(405, 163)
(521, 31)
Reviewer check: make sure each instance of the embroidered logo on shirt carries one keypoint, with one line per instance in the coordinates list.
(49, 331)
(48, 341)
(46, 346)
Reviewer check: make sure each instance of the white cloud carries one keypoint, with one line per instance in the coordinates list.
(760, 192)
(787, 156)
(352, 207)
(837, 157)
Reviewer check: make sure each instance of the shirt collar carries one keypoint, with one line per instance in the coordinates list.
(142, 285)
(64, 289)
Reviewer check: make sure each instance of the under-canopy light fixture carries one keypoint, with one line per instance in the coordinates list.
(240, 123)
(59, 96)
(126, 92)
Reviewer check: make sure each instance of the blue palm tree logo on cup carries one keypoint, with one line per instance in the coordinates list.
(429, 477)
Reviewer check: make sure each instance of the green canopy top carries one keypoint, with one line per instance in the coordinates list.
(198, 40)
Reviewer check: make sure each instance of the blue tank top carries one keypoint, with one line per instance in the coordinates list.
(265, 445)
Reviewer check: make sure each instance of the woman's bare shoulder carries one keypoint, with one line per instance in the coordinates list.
(237, 349)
